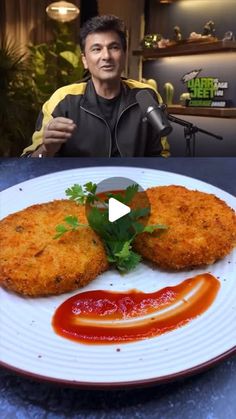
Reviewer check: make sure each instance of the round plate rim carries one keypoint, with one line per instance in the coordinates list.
(118, 167)
(125, 384)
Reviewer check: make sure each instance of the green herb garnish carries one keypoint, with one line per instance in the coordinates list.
(117, 236)
(72, 225)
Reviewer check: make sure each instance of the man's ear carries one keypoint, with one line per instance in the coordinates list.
(84, 61)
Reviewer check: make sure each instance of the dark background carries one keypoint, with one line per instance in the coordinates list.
(191, 16)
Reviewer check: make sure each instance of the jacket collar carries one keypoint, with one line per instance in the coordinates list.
(89, 101)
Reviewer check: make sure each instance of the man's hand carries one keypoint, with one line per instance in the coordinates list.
(56, 133)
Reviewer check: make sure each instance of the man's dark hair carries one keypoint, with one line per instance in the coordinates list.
(103, 23)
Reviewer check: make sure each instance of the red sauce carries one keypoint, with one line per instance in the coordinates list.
(99, 317)
(103, 195)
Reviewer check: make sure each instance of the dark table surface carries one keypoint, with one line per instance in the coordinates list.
(207, 395)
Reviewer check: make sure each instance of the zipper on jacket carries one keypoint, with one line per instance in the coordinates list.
(124, 110)
(99, 117)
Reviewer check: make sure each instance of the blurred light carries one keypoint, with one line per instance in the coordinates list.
(62, 11)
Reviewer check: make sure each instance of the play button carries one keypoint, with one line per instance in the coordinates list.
(116, 210)
(116, 201)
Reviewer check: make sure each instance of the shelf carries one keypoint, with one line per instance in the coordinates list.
(186, 49)
(211, 112)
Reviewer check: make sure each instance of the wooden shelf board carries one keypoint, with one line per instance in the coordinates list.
(187, 49)
(211, 112)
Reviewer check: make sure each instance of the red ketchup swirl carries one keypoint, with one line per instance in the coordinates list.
(105, 317)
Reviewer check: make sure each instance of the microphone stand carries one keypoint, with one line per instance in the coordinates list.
(190, 131)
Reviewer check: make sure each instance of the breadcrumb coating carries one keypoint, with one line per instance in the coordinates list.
(33, 263)
(201, 228)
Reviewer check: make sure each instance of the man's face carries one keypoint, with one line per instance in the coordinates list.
(104, 56)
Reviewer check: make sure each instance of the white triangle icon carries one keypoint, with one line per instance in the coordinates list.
(116, 209)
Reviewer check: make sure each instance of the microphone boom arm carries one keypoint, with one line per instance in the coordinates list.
(187, 124)
(190, 131)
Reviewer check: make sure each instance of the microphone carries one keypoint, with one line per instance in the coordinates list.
(153, 112)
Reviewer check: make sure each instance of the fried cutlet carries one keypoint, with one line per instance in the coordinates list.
(34, 263)
(201, 228)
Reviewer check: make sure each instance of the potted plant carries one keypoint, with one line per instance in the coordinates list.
(56, 63)
(16, 98)
(28, 80)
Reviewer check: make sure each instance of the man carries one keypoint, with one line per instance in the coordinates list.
(99, 117)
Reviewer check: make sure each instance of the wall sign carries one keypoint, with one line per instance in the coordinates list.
(205, 91)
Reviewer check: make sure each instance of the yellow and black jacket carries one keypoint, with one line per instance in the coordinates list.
(134, 136)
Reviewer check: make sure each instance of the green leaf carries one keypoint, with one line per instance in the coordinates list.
(97, 220)
(124, 253)
(73, 224)
(76, 193)
(138, 227)
(116, 196)
(60, 229)
(154, 227)
(72, 221)
(70, 57)
(140, 212)
(130, 193)
(90, 187)
(130, 263)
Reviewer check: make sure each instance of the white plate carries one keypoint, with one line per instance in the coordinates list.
(30, 346)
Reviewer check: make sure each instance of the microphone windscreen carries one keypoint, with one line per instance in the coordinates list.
(153, 112)
(145, 99)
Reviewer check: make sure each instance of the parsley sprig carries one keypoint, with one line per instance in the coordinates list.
(72, 224)
(117, 236)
